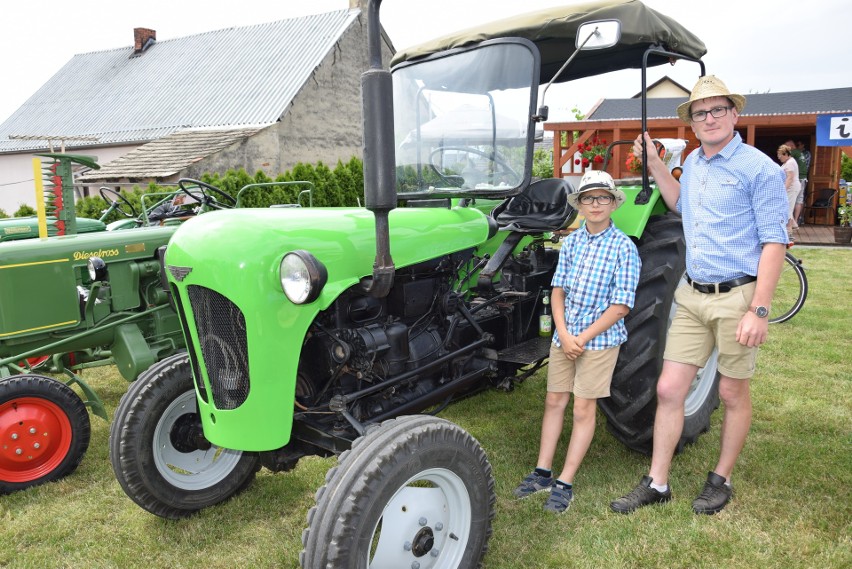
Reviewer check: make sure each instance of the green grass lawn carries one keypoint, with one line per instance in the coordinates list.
(792, 483)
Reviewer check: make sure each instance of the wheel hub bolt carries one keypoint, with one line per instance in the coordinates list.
(36, 445)
(434, 553)
(15, 437)
(422, 521)
(18, 451)
(407, 546)
(415, 565)
(439, 526)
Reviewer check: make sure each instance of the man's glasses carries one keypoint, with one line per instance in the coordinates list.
(602, 200)
(717, 112)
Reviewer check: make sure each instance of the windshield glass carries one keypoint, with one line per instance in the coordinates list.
(462, 122)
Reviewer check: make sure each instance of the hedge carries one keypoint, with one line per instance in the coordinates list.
(343, 186)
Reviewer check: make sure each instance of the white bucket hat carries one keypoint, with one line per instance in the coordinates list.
(706, 87)
(596, 180)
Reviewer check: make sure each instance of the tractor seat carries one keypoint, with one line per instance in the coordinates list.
(541, 207)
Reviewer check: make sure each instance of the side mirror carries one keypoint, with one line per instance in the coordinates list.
(590, 36)
(598, 35)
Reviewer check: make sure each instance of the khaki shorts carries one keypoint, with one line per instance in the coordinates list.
(706, 321)
(589, 376)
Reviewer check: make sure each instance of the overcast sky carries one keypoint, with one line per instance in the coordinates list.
(755, 46)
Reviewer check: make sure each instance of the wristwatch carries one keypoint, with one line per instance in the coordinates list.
(761, 311)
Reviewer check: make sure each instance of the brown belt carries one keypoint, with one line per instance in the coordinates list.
(712, 288)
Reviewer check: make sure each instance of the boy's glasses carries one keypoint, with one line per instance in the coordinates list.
(602, 200)
(716, 112)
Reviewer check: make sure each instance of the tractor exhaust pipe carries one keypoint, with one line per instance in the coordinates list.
(379, 157)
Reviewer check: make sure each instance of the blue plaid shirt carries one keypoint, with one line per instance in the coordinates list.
(732, 203)
(597, 271)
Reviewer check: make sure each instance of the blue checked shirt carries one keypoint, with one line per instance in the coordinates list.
(732, 204)
(597, 271)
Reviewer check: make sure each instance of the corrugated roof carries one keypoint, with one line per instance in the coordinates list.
(168, 155)
(824, 101)
(233, 77)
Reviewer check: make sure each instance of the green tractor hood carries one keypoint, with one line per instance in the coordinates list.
(39, 278)
(236, 254)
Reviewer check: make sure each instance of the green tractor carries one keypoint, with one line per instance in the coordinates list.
(330, 331)
(85, 296)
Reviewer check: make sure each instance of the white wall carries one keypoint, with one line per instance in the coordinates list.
(17, 185)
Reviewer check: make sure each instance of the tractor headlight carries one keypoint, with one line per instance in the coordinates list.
(97, 269)
(302, 276)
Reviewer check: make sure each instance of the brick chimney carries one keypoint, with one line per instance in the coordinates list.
(143, 38)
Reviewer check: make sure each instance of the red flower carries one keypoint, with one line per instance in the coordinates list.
(633, 163)
(592, 152)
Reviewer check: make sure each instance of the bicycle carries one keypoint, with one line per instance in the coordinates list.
(791, 292)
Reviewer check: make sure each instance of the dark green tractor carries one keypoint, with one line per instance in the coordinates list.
(329, 331)
(87, 295)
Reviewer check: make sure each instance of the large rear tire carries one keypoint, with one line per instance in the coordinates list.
(44, 431)
(416, 491)
(158, 452)
(632, 404)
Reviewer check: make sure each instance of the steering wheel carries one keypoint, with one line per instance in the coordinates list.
(210, 194)
(454, 179)
(118, 203)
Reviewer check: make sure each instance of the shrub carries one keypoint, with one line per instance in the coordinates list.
(25, 211)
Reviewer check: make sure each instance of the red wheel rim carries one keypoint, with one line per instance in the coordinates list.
(36, 361)
(35, 436)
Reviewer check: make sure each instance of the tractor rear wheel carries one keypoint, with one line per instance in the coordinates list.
(415, 491)
(158, 451)
(632, 404)
(44, 431)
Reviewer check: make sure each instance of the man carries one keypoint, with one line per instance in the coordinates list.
(804, 167)
(735, 213)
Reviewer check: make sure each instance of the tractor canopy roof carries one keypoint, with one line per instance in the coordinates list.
(554, 31)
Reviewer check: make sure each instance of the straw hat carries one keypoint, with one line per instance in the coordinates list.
(709, 86)
(595, 180)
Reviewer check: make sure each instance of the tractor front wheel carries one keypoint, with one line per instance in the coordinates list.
(158, 451)
(44, 431)
(416, 491)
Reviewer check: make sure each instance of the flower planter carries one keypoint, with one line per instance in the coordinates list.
(842, 235)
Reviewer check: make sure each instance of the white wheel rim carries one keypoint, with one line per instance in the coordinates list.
(425, 526)
(196, 470)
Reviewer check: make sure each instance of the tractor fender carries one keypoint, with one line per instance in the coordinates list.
(631, 218)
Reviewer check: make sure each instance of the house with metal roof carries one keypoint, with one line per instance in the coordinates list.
(767, 121)
(261, 97)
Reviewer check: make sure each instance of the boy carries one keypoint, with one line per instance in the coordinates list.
(593, 290)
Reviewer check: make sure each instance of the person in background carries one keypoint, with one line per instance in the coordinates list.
(791, 183)
(594, 287)
(803, 179)
(731, 196)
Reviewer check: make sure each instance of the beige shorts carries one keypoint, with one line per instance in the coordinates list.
(589, 376)
(706, 321)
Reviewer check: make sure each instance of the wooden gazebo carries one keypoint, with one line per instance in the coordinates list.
(764, 131)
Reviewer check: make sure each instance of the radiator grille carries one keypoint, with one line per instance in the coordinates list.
(222, 338)
(190, 347)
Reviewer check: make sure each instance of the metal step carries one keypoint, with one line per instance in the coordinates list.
(526, 353)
